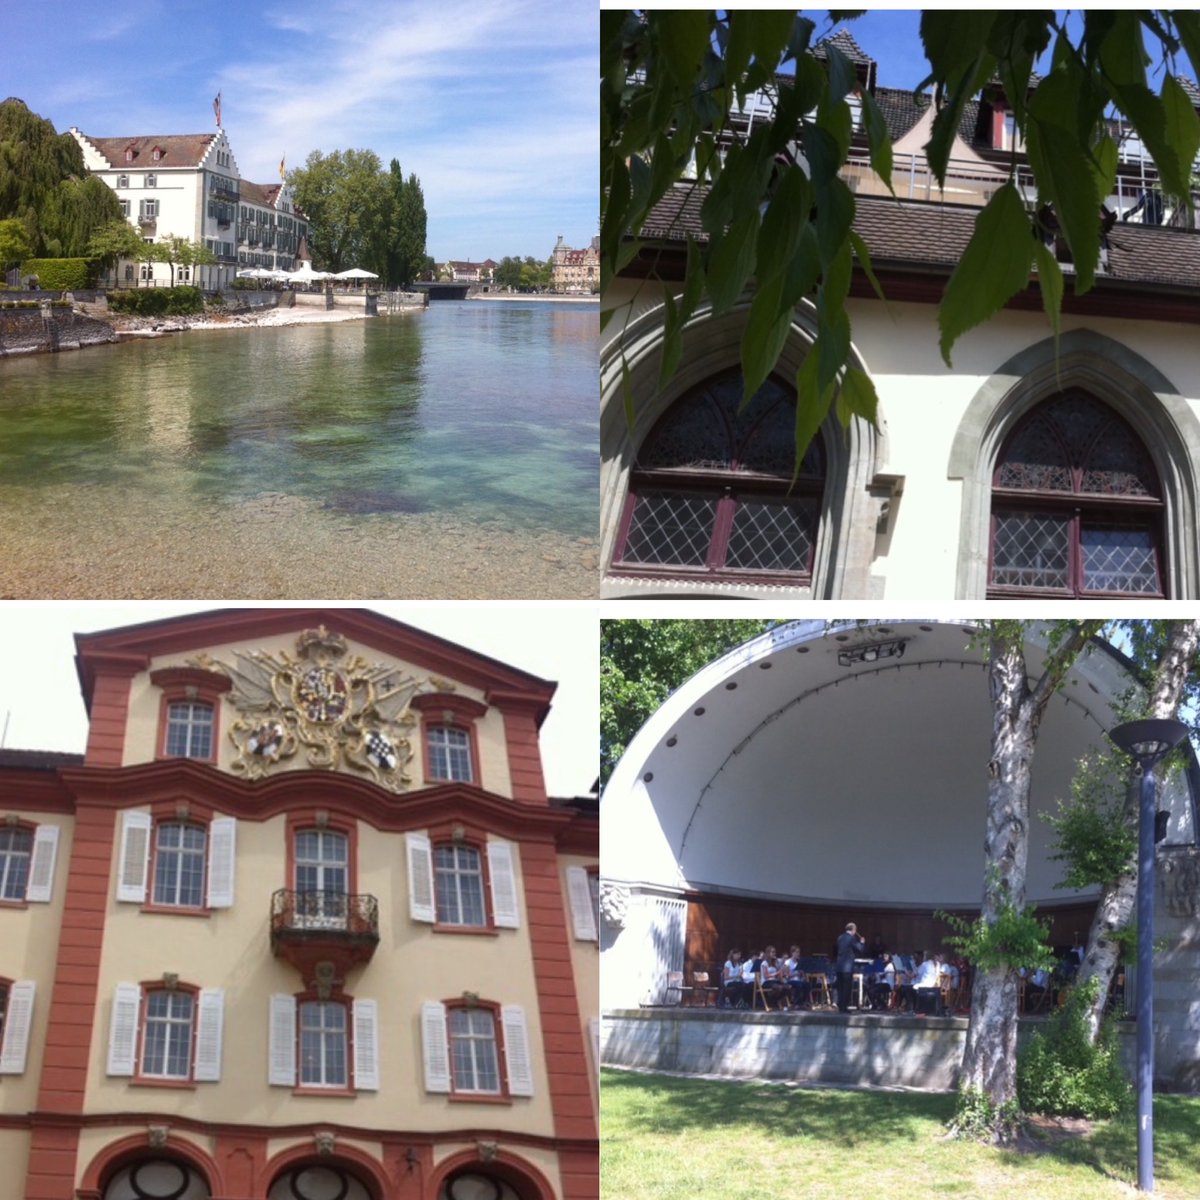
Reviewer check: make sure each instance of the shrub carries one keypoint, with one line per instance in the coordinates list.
(977, 1118)
(1060, 1072)
(154, 302)
(61, 274)
(185, 299)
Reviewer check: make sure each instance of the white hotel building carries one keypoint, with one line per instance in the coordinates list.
(188, 185)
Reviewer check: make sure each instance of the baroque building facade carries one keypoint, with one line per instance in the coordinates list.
(301, 922)
(189, 186)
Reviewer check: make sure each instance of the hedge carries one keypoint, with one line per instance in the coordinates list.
(154, 302)
(61, 274)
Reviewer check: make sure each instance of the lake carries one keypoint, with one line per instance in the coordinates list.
(447, 453)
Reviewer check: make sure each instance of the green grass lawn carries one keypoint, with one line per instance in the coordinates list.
(664, 1138)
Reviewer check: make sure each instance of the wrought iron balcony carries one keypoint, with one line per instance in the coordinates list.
(314, 927)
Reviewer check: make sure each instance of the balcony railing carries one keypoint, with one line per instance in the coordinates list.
(324, 912)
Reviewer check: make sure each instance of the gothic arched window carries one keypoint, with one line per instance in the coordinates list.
(1076, 506)
(711, 495)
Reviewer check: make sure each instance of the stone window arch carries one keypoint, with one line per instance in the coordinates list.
(1143, 409)
(849, 495)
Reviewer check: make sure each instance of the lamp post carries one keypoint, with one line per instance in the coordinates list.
(1147, 742)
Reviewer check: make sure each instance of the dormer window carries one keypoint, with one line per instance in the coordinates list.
(129, 153)
(157, 153)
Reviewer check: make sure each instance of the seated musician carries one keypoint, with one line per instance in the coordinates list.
(882, 982)
(733, 990)
(750, 965)
(927, 983)
(774, 988)
(797, 983)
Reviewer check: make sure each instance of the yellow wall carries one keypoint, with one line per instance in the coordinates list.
(14, 1157)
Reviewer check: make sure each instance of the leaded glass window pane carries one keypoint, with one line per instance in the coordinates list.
(1035, 460)
(670, 529)
(1031, 551)
(692, 435)
(1118, 558)
(772, 536)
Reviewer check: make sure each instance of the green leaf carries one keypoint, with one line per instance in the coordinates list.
(835, 215)
(731, 262)
(1148, 114)
(766, 331)
(954, 40)
(1121, 53)
(1067, 179)
(879, 140)
(864, 258)
(946, 123)
(693, 289)
(1104, 164)
(841, 72)
(1050, 280)
(1187, 22)
(781, 227)
(683, 38)
(833, 343)
(812, 406)
(770, 34)
(672, 345)
(857, 398)
(993, 268)
(1182, 124)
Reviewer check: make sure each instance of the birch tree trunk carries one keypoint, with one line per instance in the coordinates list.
(1115, 906)
(990, 1055)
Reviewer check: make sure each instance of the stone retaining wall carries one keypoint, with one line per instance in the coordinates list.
(808, 1047)
(48, 330)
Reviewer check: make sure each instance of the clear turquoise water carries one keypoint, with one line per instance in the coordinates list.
(484, 409)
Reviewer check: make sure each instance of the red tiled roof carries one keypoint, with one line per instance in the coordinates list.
(179, 150)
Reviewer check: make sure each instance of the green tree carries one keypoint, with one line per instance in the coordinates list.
(405, 259)
(14, 242)
(643, 661)
(776, 210)
(178, 251)
(114, 241)
(346, 198)
(45, 185)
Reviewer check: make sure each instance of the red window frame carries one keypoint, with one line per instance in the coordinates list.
(471, 839)
(30, 828)
(188, 685)
(346, 1002)
(188, 1083)
(502, 1096)
(448, 710)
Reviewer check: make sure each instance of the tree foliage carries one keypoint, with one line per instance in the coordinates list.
(523, 275)
(14, 241)
(643, 661)
(44, 184)
(776, 211)
(361, 215)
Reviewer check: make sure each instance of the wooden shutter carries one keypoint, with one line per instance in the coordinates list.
(516, 1050)
(41, 864)
(435, 1042)
(421, 905)
(366, 1045)
(583, 915)
(505, 910)
(281, 1070)
(123, 1029)
(18, 1022)
(222, 858)
(210, 1033)
(135, 856)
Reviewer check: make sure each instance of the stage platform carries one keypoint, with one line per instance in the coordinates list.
(882, 1049)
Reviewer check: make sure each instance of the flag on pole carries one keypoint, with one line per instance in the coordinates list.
(283, 168)
(217, 109)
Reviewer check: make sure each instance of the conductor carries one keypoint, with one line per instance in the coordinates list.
(849, 947)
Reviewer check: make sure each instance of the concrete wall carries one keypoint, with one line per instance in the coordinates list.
(806, 1047)
(48, 330)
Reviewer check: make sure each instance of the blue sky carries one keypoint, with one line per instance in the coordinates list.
(493, 105)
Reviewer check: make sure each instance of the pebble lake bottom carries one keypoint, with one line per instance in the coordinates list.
(444, 454)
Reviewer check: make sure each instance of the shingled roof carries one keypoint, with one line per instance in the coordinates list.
(178, 150)
(846, 44)
(39, 760)
(902, 110)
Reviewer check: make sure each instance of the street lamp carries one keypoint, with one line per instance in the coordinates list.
(1147, 742)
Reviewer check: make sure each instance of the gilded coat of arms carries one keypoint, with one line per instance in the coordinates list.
(336, 709)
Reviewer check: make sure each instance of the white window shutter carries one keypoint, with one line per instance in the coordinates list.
(123, 1029)
(222, 859)
(583, 915)
(282, 1042)
(18, 1022)
(135, 856)
(505, 910)
(41, 864)
(435, 1042)
(210, 1033)
(516, 1050)
(420, 878)
(366, 1045)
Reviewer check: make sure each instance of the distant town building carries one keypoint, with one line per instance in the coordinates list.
(575, 270)
(188, 185)
(469, 272)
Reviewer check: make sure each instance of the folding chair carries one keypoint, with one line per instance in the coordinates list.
(759, 993)
(675, 984)
(701, 986)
